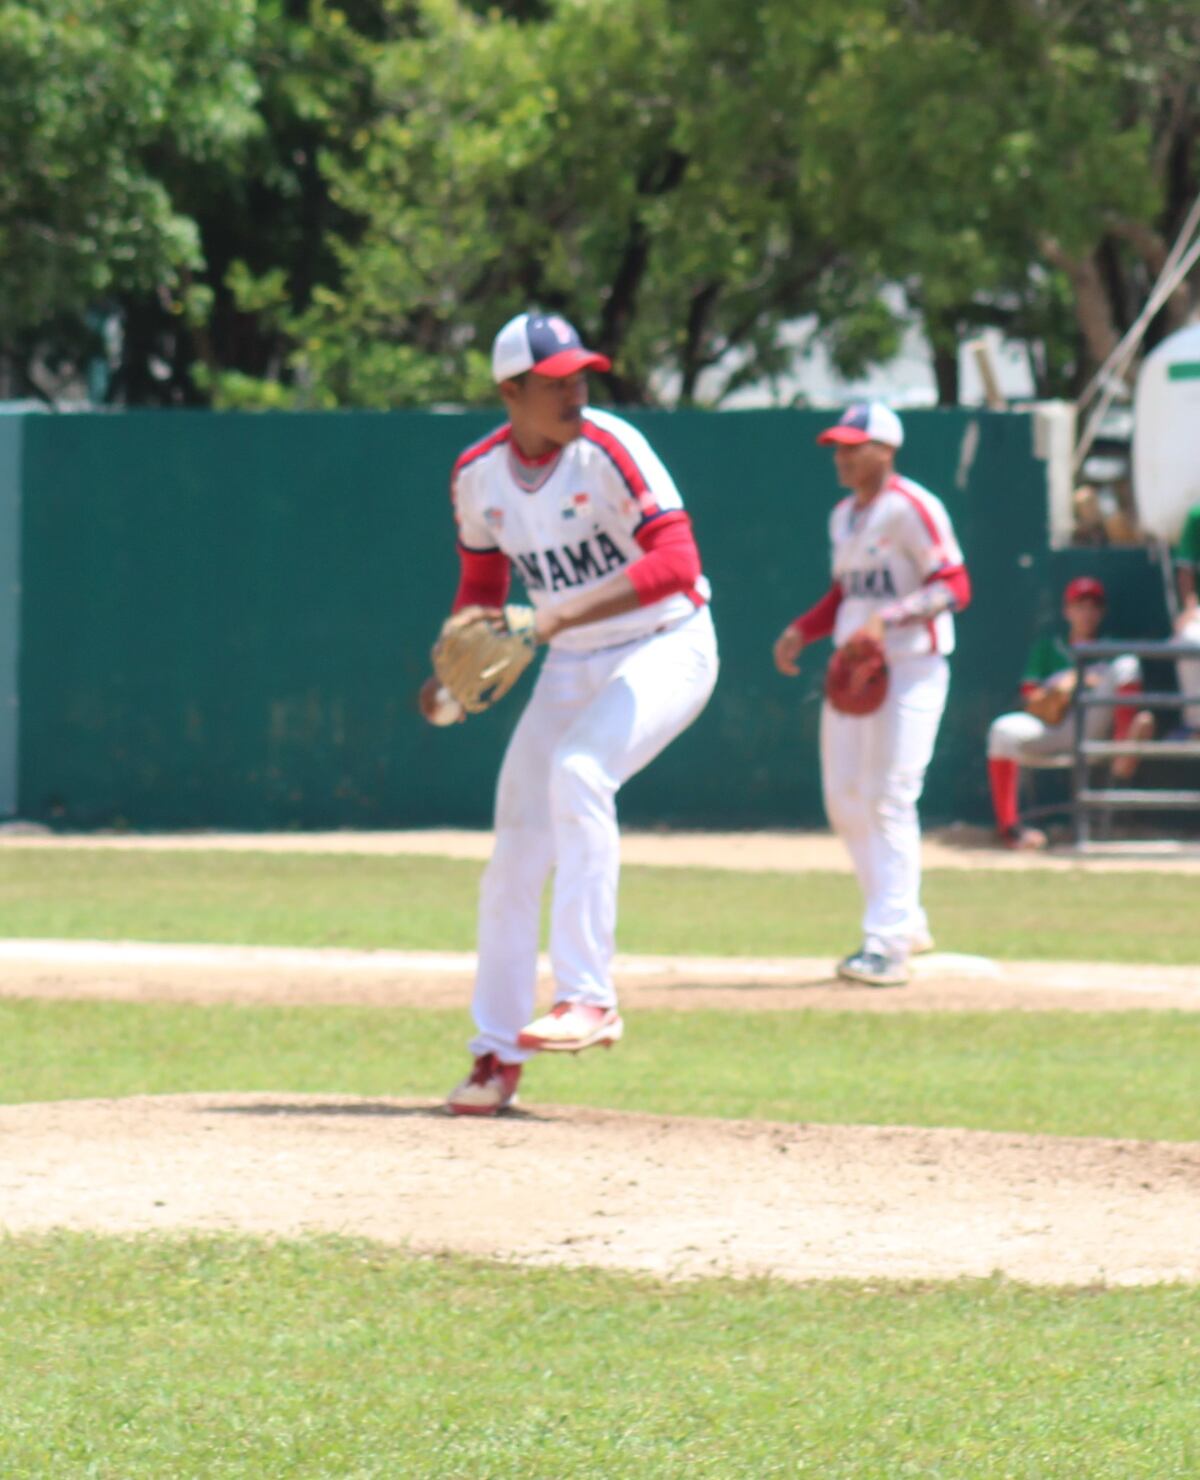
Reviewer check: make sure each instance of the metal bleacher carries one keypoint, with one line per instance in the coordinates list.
(1088, 799)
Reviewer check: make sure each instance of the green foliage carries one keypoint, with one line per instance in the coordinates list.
(685, 180)
(269, 231)
(103, 101)
(299, 204)
(634, 165)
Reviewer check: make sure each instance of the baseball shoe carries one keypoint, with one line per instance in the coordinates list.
(1141, 727)
(921, 944)
(873, 969)
(1024, 839)
(571, 1026)
(489, 1088)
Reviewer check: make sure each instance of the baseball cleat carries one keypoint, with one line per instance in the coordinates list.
(489, 1088)
(921, 943)
(570, 1027)
(1024, 839)
(873, 969)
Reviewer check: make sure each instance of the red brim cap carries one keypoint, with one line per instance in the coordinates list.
(845, 436)
(567, 361)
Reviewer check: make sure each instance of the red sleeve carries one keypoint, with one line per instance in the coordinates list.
(671, 563)
(958, 582)
(817, 621)
(483, 579)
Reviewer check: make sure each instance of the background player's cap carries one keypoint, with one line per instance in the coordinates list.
(543, 343)
(1085, 588)
(866, 421)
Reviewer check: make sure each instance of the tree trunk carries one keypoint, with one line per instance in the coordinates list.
(1093, 311)
(694, 359)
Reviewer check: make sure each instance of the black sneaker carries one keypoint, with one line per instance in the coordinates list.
(873, 969)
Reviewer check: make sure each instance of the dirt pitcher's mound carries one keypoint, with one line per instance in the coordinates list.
(570, 1186)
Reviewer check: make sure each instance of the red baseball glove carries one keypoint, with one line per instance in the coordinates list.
(856, 681)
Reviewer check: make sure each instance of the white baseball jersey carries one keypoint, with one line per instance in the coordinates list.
(901, 541)
(576, 526)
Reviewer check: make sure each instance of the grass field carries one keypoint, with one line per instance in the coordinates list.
(429, 903)
(173, 1358)
(230, 1358)
(1121, 1074)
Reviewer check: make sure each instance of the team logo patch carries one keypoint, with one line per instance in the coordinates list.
(493, 518)
(578, 506)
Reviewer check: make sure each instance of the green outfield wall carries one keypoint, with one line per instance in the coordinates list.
(11, 440)
(222, 620)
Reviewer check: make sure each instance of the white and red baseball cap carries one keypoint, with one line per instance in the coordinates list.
(544, 343)
(865, 421)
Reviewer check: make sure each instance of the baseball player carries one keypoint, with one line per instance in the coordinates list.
(1046, 726)
(898, 578)
(1187, 622)
(577, 501)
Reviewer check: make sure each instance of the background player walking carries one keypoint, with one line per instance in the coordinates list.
(578, 501)
(898, 575)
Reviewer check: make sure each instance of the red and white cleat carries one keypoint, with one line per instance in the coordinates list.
(489, 1088)
(571, 1026)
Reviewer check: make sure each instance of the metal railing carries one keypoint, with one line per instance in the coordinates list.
(1088, 799)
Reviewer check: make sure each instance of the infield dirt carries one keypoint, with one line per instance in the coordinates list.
(576, 1186)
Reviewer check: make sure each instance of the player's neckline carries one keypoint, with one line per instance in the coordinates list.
(530, 474)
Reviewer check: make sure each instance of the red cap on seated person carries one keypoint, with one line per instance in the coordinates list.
(1085, 588)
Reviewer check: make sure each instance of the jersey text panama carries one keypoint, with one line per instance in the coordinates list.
(572, 521)
(570, 565)
(877, 582)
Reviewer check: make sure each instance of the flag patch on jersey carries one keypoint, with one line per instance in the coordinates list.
(578, 506)
(493, 518)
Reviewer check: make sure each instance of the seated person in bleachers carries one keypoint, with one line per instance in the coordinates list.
(1046, 725)
(1187, 623)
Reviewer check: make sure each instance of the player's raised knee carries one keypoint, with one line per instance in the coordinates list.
(576, 775)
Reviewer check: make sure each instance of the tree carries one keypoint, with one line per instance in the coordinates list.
(642, 164)
(288, 202)
(1148, 53)
(685, 180)
(992, 152)
(103, 99)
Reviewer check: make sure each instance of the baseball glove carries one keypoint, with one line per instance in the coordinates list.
(482, 651)
(856, 681)
(1051, 702)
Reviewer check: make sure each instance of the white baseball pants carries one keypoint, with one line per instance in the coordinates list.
(593, 721)
(1015, 736)
(873, 770)
(1187, 673)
